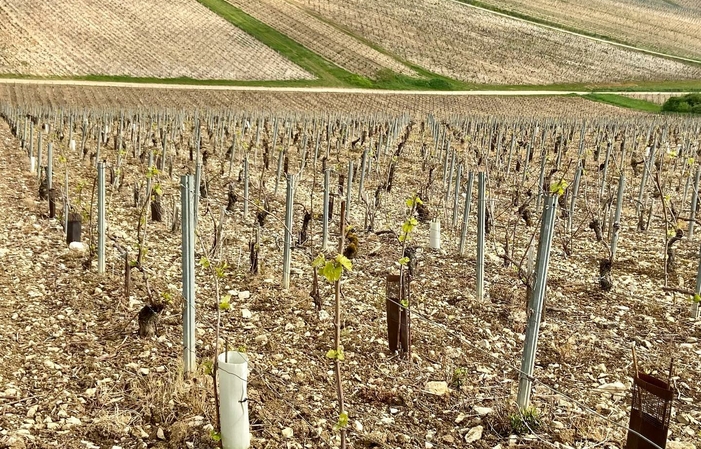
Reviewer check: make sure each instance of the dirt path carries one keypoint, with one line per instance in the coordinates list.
(338, 90)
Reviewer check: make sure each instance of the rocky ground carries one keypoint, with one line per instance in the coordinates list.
(75, 373)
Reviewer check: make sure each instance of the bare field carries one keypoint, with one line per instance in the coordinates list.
(143, 38)
(304, 103)
(321, 38)
(481, 47)
(657, 24)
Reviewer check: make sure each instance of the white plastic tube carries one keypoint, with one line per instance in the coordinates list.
(233, 400)
(32, 164)
(72, 145)
(435, 235)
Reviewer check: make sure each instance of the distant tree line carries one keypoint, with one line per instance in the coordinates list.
(690, 103)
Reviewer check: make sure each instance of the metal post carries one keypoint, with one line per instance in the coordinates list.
(39, 151)
(97, 152)
(245, 187)
(325, 217)
(363, 166)
(466, 212)
(31, 139)
(694, 304)
(198, 181)
(617, 217)
(188, 252)
(65, 202)
(287, 252)
(50, 167)
(694, 199)
(481, 216)
(573, 200)
(535, 302)
(456, 205)
(349, 186)
(101, 217)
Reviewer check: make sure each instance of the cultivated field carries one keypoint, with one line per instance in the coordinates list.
(137, 38)
(322, 38)
(305, 104)
(665, 26)
(76, 373)
(480, 47)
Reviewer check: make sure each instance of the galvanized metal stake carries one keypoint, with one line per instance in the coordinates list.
(101, 217)
(617, 217)
(287, 251)
(481, 216)
(535, 302)
(50, 167)
(349, 186)
(466, 212)
(456, 204)
(573, 200)
(188, 252)
(694, 199)
(325, 216)
(245, 187)
(694, 303)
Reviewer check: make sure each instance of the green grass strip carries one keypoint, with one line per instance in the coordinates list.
(328, 74)
(625, 102)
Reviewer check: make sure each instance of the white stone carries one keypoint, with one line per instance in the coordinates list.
(483, 411)
(73, 421)
(437, 388)
(160, 435)
(245, 313)
(474, 434)
(244, 295)
(287, 432)
(78, 247)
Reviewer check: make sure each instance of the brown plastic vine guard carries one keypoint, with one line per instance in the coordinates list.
(398, 321)
(650, 411)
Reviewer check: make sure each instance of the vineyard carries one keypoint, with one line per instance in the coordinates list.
(465, 209)
(663, 26)
(132, 38)
(322, 38)
(444, 106)
(475, 46)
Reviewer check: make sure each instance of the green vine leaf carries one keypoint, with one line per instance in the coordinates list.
(558, 187)
(696, 298)
(345, 262)
(225, 304)
(404, 261)
(342, 421)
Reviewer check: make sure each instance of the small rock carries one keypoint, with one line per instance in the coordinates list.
(437, 388)
(461, 417)
(144, 371)
(287, 432)
(78, 247)
(245, 313)
(448, 439)
(262, 339)
(474, 434)
(483, 411)
(72, 421)
(358, 426)
(160, 435)
(244, 295)
(615, 387)
(32, 411)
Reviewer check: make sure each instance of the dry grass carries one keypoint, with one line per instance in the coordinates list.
(280, 103)
(481, 47)
(139, 38)
(322, 38)
(659, 25)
